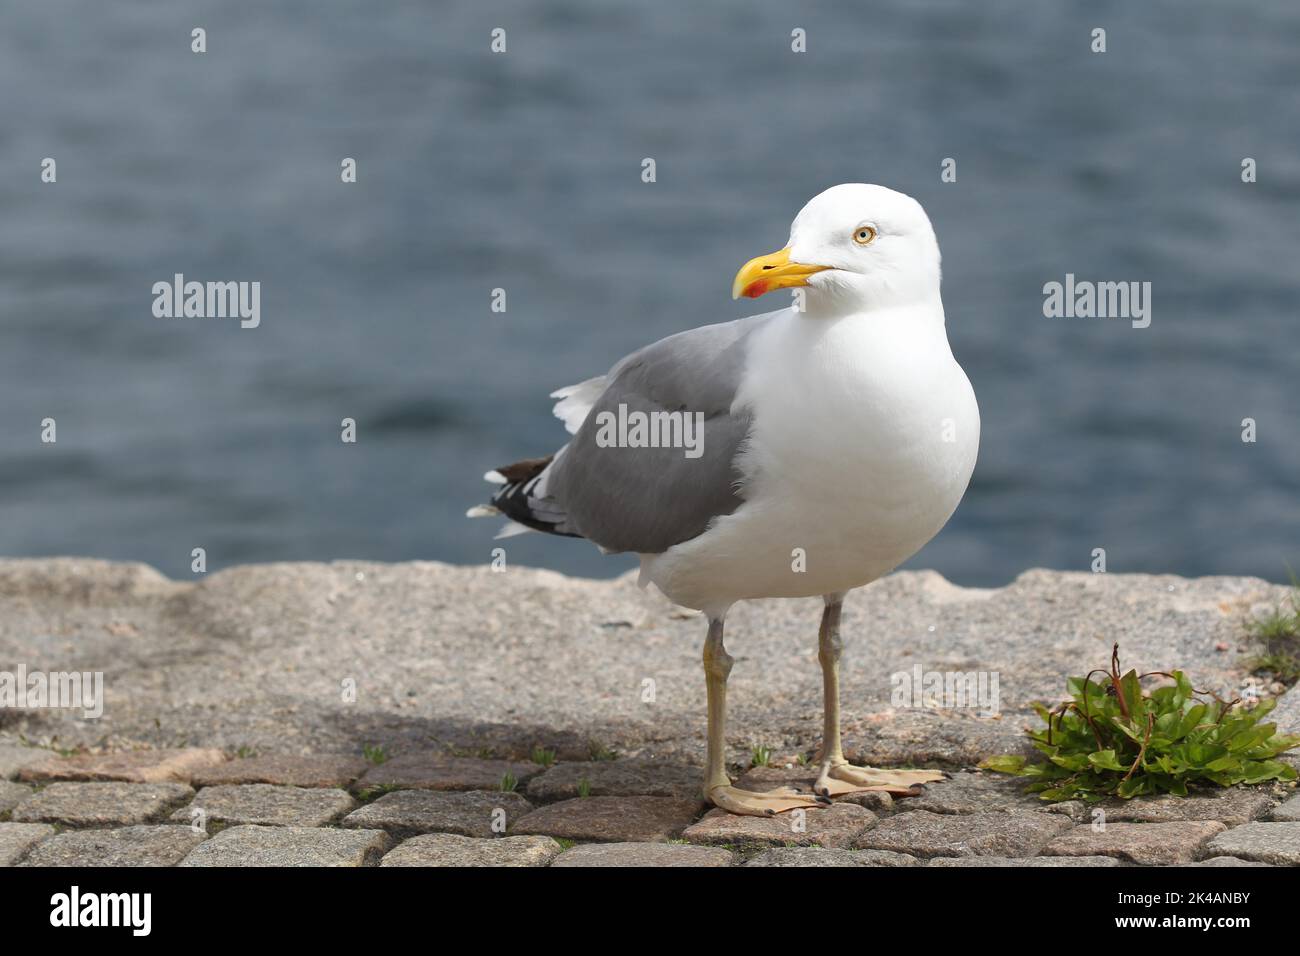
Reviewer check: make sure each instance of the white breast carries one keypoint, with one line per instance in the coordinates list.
(864, 439)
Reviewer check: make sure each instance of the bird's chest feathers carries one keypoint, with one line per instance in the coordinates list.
(858, 408)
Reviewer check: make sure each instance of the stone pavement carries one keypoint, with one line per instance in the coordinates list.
(421, 715)
(65, 816)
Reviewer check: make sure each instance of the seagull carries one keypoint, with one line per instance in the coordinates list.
(834, 439)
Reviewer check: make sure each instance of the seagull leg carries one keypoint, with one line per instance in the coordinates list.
(717, 785)
(837, 775)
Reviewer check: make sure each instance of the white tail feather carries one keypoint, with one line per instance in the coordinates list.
(575, 402)
(510, 529)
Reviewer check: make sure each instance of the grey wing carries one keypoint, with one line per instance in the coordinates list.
(647, 499)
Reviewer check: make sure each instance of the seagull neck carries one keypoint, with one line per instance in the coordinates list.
(830, 305)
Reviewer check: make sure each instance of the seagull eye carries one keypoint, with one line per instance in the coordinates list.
(863, 235)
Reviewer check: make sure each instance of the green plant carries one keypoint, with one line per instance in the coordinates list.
(1115, 738)
(370, 794)
(543, 757)
(476, 753)
(598, 751)
(509, 783)
(584, 787)
(1278, 633)
(374, 753)
(760, 756)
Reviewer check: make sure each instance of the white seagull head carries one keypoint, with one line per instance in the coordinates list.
(855, 247)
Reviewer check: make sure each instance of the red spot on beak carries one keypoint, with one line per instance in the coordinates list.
(755, 289)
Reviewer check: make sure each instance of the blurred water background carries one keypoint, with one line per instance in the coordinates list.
(522, 171)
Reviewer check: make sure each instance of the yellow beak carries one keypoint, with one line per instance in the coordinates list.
(774, 271)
